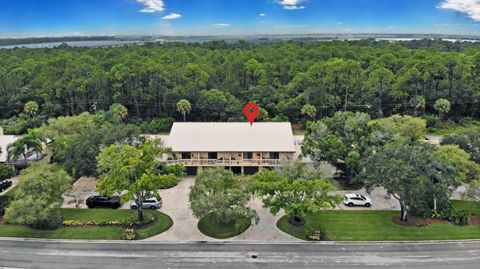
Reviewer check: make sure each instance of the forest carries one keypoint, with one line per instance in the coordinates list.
(285, 79)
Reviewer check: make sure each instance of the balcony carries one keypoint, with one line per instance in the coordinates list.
(220, 162)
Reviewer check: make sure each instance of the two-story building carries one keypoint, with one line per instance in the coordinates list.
(234, 145)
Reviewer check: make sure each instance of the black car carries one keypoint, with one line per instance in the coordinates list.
(5, 185)
(103, 201)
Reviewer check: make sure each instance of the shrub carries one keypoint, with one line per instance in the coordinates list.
(20, 125)
(126, 222)
(431, 120)
(457, 217)
(169, 182)
(315, 233)
(6, 171)
(4, 203)
(129, 234)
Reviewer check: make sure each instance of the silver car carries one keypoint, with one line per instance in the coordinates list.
(150, 203)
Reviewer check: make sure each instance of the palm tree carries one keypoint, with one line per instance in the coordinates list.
(119, 111)
(31, 108)
(184, 107)
(309, 111)
(442, 106)
(31, 141)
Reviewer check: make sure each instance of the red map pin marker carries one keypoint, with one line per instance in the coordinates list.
(251, 111)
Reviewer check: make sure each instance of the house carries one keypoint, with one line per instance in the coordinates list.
(20, 162)
(6, 140)
(234, 145)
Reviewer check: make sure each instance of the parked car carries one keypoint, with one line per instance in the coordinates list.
(103, 201)
(150, 203)
(5, 185)
(354, 199)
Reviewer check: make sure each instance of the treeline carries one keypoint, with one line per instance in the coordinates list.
(217, 78)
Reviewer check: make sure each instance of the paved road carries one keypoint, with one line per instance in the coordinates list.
(58, 254)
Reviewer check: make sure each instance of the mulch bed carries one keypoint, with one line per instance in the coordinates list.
(419, 221)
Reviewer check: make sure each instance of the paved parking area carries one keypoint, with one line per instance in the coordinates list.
(380, 200)
(14, 181)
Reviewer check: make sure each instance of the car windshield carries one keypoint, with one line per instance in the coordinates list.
(363, 197)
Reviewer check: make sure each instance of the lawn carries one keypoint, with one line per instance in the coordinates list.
(345, 225)
(163, 222)
(299, 132)
(450, 127)
(472, 207)
(209, 227)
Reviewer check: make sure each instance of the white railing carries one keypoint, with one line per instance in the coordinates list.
(215, 162)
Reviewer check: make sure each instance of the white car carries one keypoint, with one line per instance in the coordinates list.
(353, 199)
(151, 203)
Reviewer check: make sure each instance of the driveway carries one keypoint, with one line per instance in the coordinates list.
(380, 200)
(176, 204)
(14, 181)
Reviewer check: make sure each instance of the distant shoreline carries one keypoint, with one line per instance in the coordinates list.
(99, 41)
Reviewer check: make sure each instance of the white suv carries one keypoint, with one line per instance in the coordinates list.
(151, 203)
(354, 199)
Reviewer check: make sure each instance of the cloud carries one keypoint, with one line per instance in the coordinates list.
(152, 6)
(469, 7)
(262, 14)
(222, 24)
(172, 16)
(291, 4)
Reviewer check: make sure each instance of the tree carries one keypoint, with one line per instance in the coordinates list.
(411, 173)
(119, 111)
(442, 106)
(31, 108)
(468, 140)
(77, 140)
(132, 172)
(341, 140)
(296, 189)
(410, 127)
(381, 79)
(184, 107)
(467, 170)
(218, 192)
(31, 141)
(38, 196)
(6, 172)
(473, 191)
(309, 111)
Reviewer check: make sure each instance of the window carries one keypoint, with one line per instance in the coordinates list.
(248, 155)
(186, 155)
(212, 155)
(274, 155)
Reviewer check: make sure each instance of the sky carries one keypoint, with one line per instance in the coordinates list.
(24, 18)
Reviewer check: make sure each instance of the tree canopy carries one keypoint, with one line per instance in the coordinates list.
(377, 77)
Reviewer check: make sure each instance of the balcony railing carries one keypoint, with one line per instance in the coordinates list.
(219, 162)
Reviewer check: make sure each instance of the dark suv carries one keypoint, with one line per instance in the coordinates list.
(103, 201)
(5, 185)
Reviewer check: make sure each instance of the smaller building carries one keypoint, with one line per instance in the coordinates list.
(234, 145)
(19, 162)
(6, 140)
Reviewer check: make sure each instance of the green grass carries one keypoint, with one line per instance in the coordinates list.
(450, 127)
(299, 132)
(472, 207)
(375, 226)
(163, 222)
(209, 227)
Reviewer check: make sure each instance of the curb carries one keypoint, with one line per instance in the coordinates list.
(239, 242)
